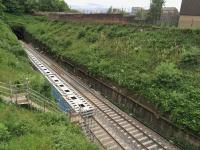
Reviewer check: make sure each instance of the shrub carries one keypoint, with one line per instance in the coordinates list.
(190, 59)
(92, 38)
(53, 119)
(111, 34)
(167, 75)
(81, 34)
(19, 128)
(66, 44)
(99, 28)
(4, 133)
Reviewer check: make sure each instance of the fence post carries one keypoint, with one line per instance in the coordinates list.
(27, 92)
(11, 92)
(44, 105)
(15, 93)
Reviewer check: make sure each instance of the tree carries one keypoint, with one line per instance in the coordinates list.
(155, 10)
(2, 7)
(28, 6)
(110, 10)
(13, 6)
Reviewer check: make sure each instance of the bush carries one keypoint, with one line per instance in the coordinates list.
(19, 128)
(190, 59)
(81, 34)
(100, 28)
(92, 38)
(4, 133)
(53, 119)
(167, 75)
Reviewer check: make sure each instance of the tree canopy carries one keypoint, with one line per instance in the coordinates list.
(27, 6)
(2, 7)
(155, 10)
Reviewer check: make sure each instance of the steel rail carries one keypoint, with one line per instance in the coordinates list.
(60, 70)
(95, 120)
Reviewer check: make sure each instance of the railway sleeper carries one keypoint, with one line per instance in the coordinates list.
(113, 147)
(138, 135)
(153, 147)
(148, 143)
(102, 135)
(142, 139)
(123, 122)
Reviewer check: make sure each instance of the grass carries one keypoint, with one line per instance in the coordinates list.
(14, 64)
(21, 129)
(161, 64)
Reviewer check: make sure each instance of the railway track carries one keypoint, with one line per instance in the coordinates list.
(104, 137)
(129, 132)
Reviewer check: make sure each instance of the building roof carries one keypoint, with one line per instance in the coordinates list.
(169, 9)
(190, 7)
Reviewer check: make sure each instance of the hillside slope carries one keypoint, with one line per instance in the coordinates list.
(159, 63)
(14, 64)
(21, 129)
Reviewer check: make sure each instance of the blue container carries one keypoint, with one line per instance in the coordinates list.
(60, 100)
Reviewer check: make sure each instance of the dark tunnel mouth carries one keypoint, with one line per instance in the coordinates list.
(18, 31)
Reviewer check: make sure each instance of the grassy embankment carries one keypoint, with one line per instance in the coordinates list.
(21, 129)
(14, 64)
(159, 63)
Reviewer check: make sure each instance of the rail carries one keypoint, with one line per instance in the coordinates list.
(34, 98)
(151, 137)
(58, 70)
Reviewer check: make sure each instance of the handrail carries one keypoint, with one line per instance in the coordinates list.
(32, 95)
(48, 101)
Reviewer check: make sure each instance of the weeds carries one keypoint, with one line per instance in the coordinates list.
(149, 60)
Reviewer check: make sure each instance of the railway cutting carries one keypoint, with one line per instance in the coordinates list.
(112, 128)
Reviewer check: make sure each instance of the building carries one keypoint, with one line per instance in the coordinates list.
(139, 13)
(190, 14)
(135, 10)
(169, 16)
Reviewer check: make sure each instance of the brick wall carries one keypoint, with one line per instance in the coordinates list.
(97, 18)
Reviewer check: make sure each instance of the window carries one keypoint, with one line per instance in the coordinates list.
(61, 85)
(81, 105)
(66, 90)
(73, 97)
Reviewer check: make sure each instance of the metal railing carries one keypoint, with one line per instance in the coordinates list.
(11, 92)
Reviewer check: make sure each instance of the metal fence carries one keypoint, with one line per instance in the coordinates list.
(13, 93)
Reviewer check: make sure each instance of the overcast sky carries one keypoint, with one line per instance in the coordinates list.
(126, 4)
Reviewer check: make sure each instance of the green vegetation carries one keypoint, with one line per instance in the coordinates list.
(159, 63)
(21, 129)
(28, 6)
(14, 64)
(155, 10)
(2, 7)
